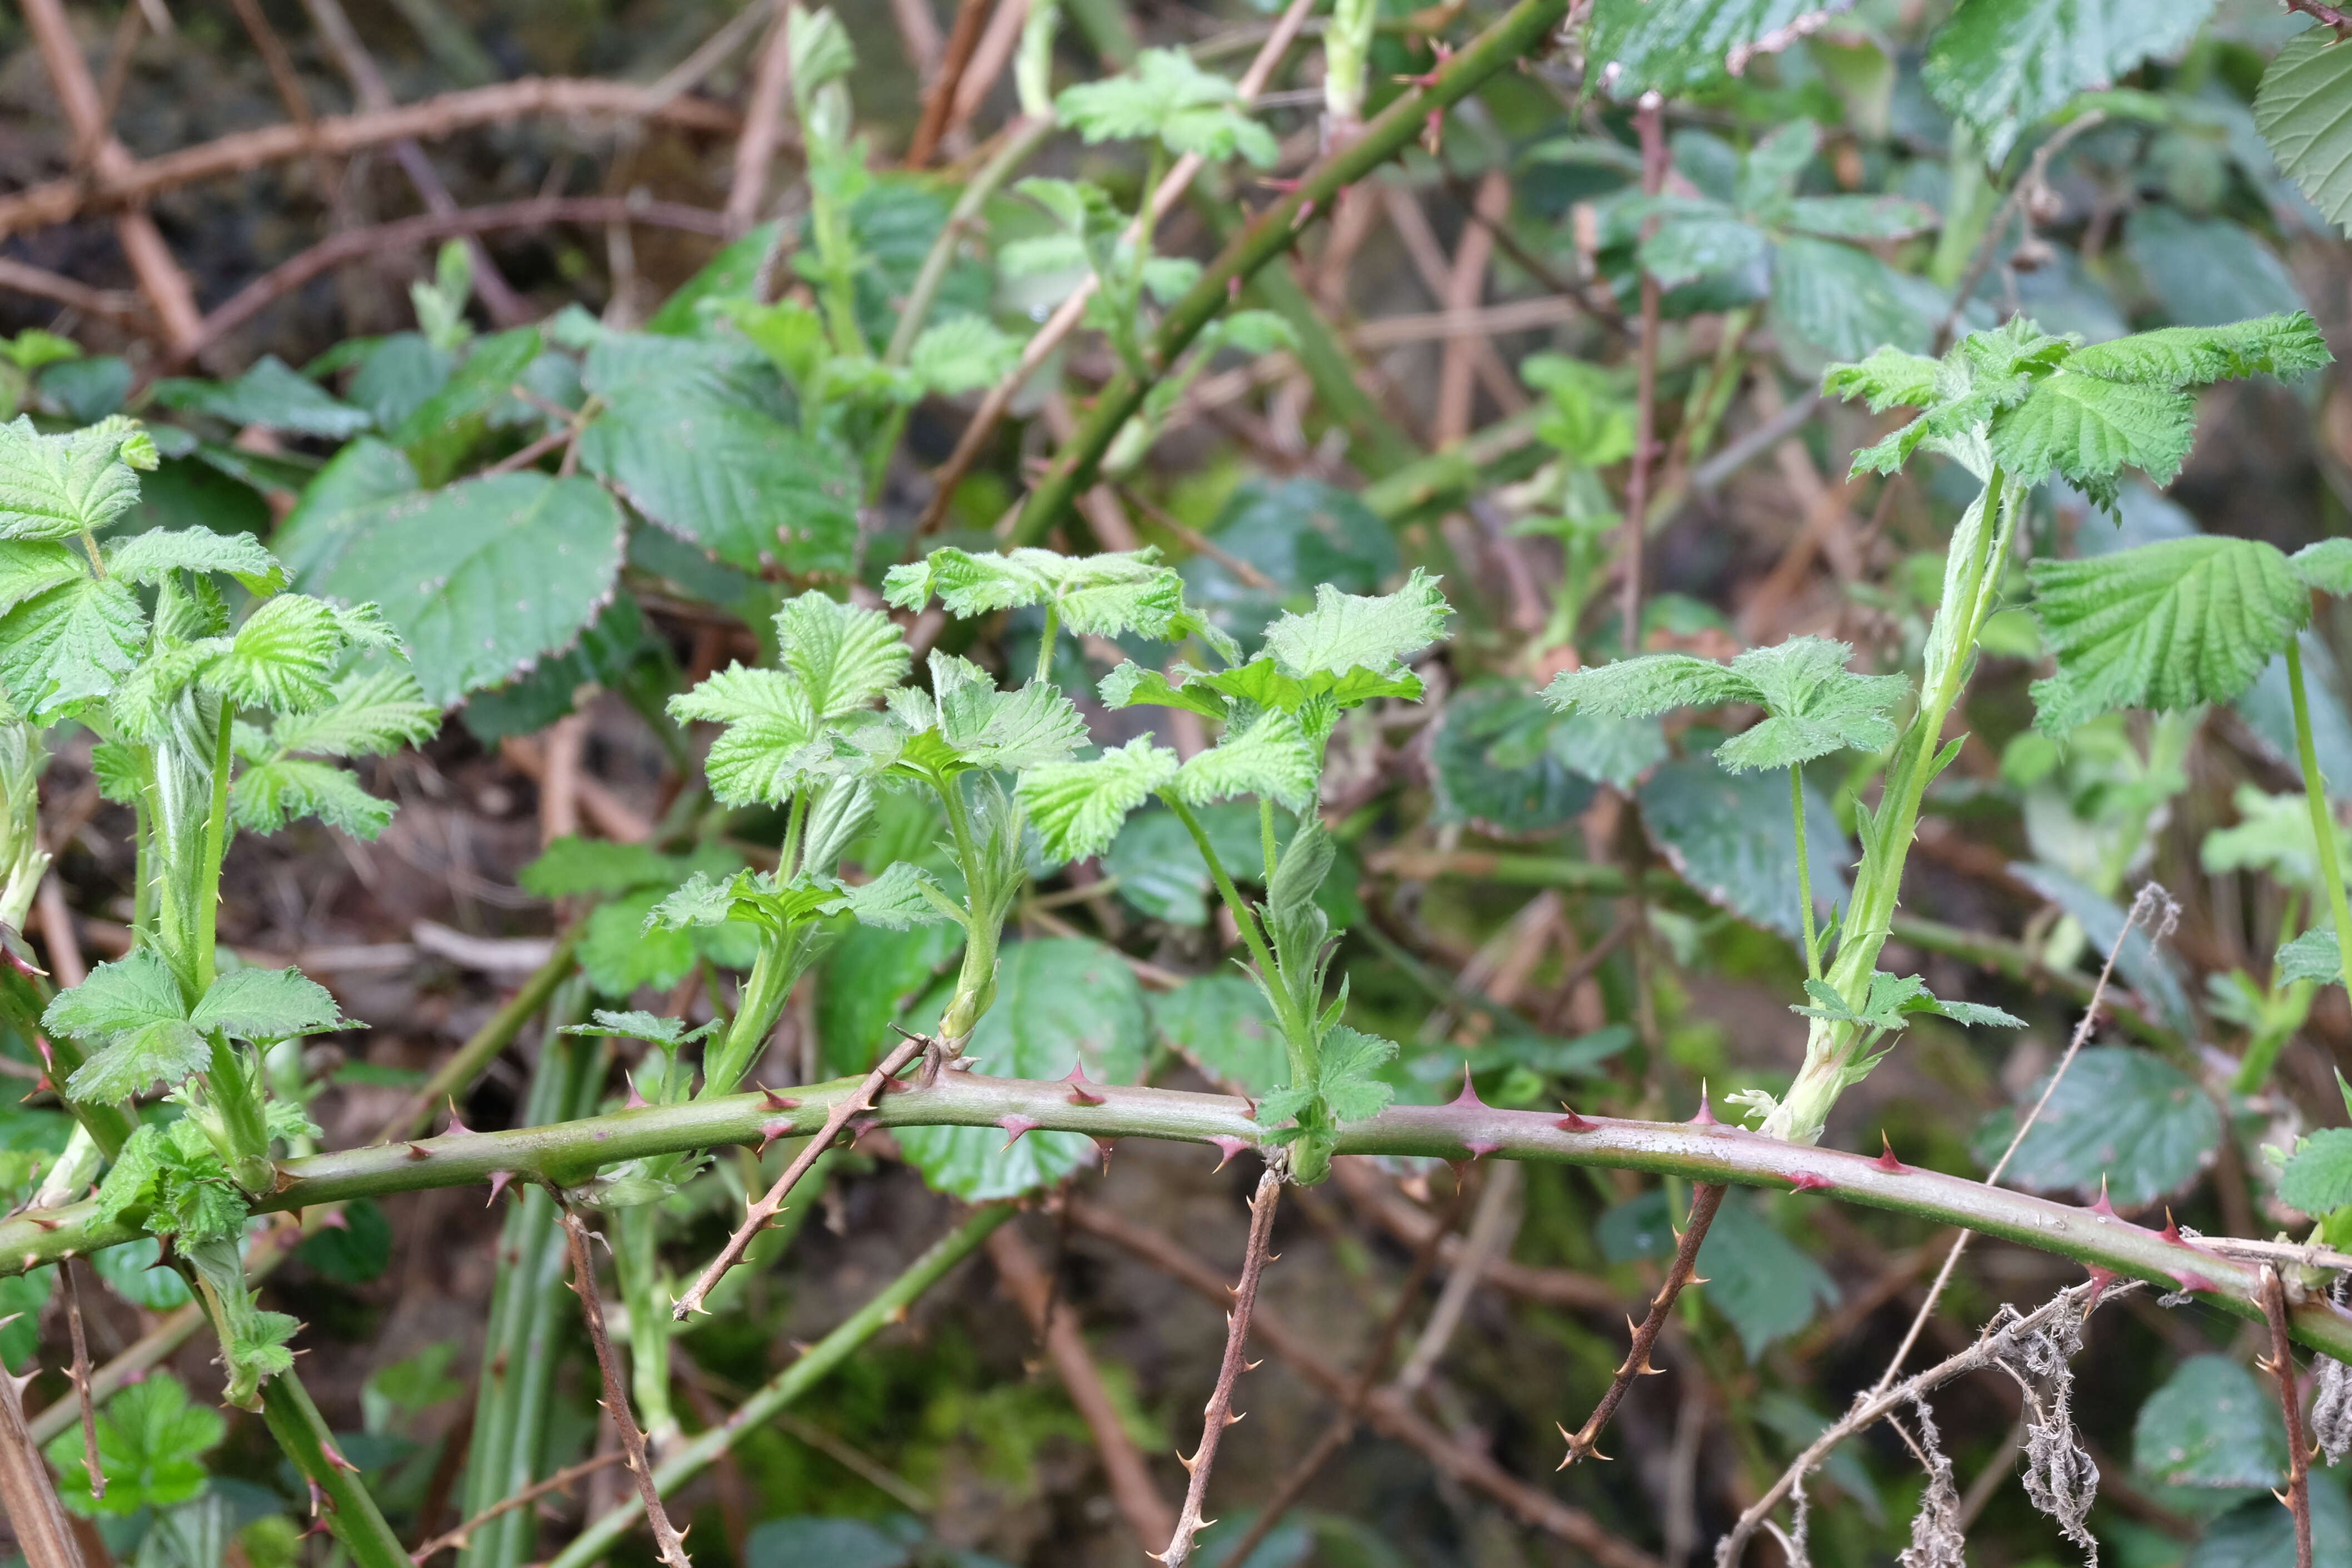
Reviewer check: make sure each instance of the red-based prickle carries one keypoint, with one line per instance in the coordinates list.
(500, 1181)
(1572, 1123)
(769, 1132)
(1705, 1117)
(1016, 1127)
(1081, 1089)
(1808, 1181)
(2103, 1207)
(1227, 1146)
(2100, 1280)
(2193, 1280)
(457, 1128)
(1887, 1160)
(635, 1102)
(775, 1101)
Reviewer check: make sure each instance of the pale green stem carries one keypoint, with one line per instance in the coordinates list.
(795, 816)
(1265, 844)
(1804, 873)
(2322, 820)
(350, 1512)
(1045, 641)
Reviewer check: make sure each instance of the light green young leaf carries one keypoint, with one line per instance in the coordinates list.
(1273, 759)
(1079, 807)
(1347, 1079)
(1888, 379)
(963, 722)
(370, 713)
(2318, 1175)
(1813, 704)
(1348, 631)
(1108, 595)
(2089, 429)
(56, 487)
(670, 1034)
(1188, 108)
(901, 898)
(2285, 345)
(2167, 626)
(168, 1052)
(147, 558)
(844, 656)
(963, 354)
(281, 657)
(1891, 1002)
(2325, 566)
(133, 1005)
(267, 1004)
(2273, 837)
(2314, 956)
(1131, 683)
(1647, 685)
(268, 795)
(772, 747)
(31, 567)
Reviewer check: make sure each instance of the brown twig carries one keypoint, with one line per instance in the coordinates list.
(289, 86)
(1390, 1413)
(2281, 1366)
(1219, 1412)
(1025, 1281)
(1649, 118)
(963, 37)
(67, 966)
(2153, 908)
(668, 1540)
(764, 1209)
(763, 118)
(120, 50)
(558, 1482)
(1465, 286)
(340, 135)
(1342, 1426)
(120, 306)
(1067, 316)
(159, 277)
(506, 308)
(28, 1497)
(359, 245)
(2035, 172)
(1706, 1199)
(80, 1376)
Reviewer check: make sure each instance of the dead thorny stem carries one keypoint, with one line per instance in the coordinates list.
(1871, 1408)
(1219, 1415)
(1343, 1421)
(2156, 911)
(81, 1379)
(765, 1208)
(667, 1539)
(458, 1535)
(2281, 1366)
(1706, 1199)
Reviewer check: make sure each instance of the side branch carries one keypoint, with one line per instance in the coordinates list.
(1705, 1200)
(567, 1153)
(341, 135)
(1219, 1412)
(667, 1539)
(1270, 235)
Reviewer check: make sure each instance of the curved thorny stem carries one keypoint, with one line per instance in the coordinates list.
(1219, 1414)
(2280, 1364)
(1706, 1199)
(764, 1209)
(669, 1539)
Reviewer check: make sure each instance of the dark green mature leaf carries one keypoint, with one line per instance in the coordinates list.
(865, 981)
(1764, 1284)
(335, 504)
(2205, 271)
(2303, 110)
(834, 1542)
(1730, 836)
(1220, 1024)
(1845, 302)
(2318, 1175)
(1667, 45)
(131, 1271)
(693, 435)
(2122, 1115)
(2002, 65)
(2167, 626)
(2148, 968)
(484, 578)
(268, 395)
(353, 1252)
(438, 433)
(2213, 1424)
(1059, 1003)
(2259, 1533)
(152, 1440)
(1485, 770)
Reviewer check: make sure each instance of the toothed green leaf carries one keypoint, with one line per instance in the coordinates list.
(1272, 759)
(31, 567)
(1188, 108)
(281, 657)
(2318, 1175)
(2088, 430)
(964, 722)
(270, 394)
(1079, 807)
(151, 1443)
(75, 641)
(2325, 566)
(772, 747)
(1668, 45)
(368, 713)
(148, 557)
(844, 656)
(1813, 704)
(1131, 683)
(2003, 65)
(2283, 344)
(134, 1006)
(1108, 595)
(901, 899)
(1348, 631)
(267, 1004)
(268, 795)
(168, 1052)
(56, 487)
(963, 354)
(1645, 687)
(2167, 626)
(2303, 111)
(2314, 956)
(1347, 1074)
(1888, 379)
(670, 1034)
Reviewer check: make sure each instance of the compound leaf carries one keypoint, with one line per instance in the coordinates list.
(148, 557)
(267, 1004)
(1347, 632)
(844, 656)
(1079, 807)
(75, 641)
(1188, 108)
(1272, 759)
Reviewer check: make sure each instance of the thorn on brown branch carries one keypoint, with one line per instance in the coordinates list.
(1219, 1414)
(2298, 1460)
(1706, 1199)
(766, 1207)
(668, 1540)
